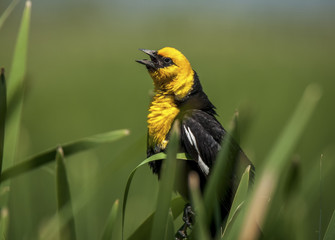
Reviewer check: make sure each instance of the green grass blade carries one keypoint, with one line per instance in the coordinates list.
(177, 206)
(276, 162)
(15, 85)
(239, 199)
(167, 180)
(330, 232)
(234, 225)
(241, 192)
(3, 110)
(144, 230)
(170, 232)
(293, 130)
(68, 148)
(15, 88)
(108, 230)
(67, 231)
(158, 156)
(7, 12)
(130, 178)
(200, 228)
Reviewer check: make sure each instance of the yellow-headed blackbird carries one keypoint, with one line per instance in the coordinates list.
(179, 95)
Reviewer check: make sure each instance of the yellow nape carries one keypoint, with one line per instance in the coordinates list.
(163, 111)
(176, 79)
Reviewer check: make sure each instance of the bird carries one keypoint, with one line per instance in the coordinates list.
(179, 96)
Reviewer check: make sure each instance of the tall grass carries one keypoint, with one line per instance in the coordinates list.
(250, 212)
(272, 204)
(11, 103)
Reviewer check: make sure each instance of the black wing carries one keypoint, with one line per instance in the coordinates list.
(201, 137)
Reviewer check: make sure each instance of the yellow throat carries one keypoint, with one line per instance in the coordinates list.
(163, 111)
(171, 83)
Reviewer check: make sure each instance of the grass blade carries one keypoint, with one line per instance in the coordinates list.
(158, 156)
(108, 230)
(3, 110)
(68, 148)
(7, 12)
(15, 88)
(241, 193)
(144, 230)
(130, 178)
(330, 232)
(169, 233)
(234, 224)
(64, 197)
(168, 173)
(239, 199)
(200, 228)
(277, 161)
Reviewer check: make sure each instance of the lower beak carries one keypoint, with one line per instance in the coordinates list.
(147, 63)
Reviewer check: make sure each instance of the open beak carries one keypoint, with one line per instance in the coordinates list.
(150, 64)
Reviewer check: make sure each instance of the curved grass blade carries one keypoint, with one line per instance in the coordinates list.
(168, 173)
(144, 230)
(15, 88)
(3, 110)
(7, 12)
(108, 230)
(67, 231)
(68, 148)
(155, 157)
(276, 163)
(200, 228)
(238, 202)
(158, 156)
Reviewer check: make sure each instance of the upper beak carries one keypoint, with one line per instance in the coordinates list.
(148, 63)
(151, 53)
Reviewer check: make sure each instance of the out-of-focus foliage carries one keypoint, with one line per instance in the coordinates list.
(82, 79)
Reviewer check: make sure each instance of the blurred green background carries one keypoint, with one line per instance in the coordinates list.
(82, 79)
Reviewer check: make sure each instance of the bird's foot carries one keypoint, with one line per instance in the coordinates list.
(181, 233)
(188, 218)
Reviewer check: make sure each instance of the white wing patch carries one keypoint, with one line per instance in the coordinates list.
(193, 142)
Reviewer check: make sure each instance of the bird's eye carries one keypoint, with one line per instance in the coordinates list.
(168, 60)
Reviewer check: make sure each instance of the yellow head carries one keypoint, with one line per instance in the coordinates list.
(170, 70)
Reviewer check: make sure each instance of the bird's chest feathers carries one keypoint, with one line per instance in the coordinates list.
(162, 113)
